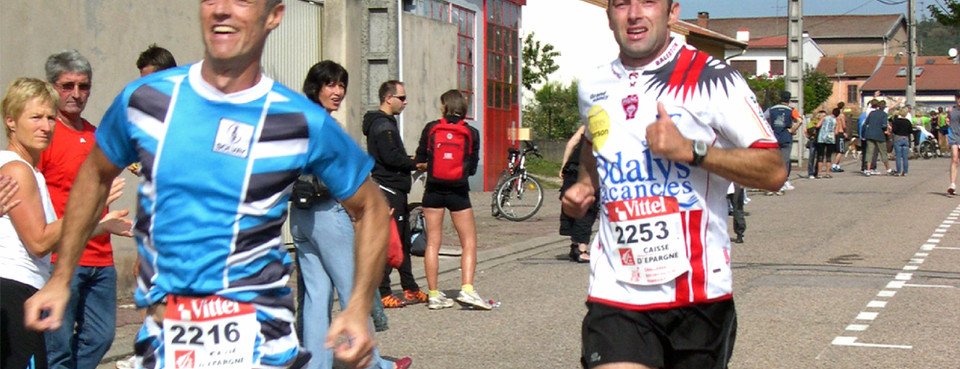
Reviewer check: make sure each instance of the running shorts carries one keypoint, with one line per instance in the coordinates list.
(692, 337)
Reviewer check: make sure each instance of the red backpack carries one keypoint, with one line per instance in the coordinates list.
(450, 144)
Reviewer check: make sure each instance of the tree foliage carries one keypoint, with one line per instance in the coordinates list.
(947, 12)
(538, 61)
(553, 112)
(817, 88)
(934, 38)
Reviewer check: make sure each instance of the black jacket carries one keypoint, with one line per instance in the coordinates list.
(473, 159)
(392, 166)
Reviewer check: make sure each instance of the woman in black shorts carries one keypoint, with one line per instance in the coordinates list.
(434, 155)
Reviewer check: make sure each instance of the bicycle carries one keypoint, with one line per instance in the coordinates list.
(517, 195)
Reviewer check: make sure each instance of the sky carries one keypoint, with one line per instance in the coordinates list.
(766, 8)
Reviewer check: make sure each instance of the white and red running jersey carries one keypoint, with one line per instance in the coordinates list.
(663, 238)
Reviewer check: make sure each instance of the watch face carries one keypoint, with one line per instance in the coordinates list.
(700, 148)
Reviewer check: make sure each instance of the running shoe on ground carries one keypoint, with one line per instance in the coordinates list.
(391, 302)
(403, 363)
(952, 190)
(439, 302)
(414, 297)
(473, 299)
(787, 186)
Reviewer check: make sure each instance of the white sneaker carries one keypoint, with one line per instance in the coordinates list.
(787, 186)
(439, 302)
(128, 363)
(473, 299)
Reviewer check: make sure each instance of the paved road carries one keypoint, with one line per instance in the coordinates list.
(849, 272)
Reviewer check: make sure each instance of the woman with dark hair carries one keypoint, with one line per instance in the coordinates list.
(323, 234)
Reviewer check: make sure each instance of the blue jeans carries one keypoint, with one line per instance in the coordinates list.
(901, 150)
(323, 235)
(93, 309)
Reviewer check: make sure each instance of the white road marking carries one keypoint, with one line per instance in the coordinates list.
(887, 293)
(852, 341)
(929, 285)
(877, 304)
(866, 315)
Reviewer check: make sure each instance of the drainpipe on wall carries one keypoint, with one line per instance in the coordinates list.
(400, 57)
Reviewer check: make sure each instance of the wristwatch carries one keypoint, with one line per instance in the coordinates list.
(699, 152)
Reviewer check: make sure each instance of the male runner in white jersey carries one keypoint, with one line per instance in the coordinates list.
(217, 193)
(668, 128)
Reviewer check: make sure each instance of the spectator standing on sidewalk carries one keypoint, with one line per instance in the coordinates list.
(91, 315)
(875, 132)
(785, 122)
(391, 170)
(664, 299)
(954, 142)
(581, 229)
(841, 139)
(902, 129)
(826, 142)
(321, 231)
(234, 194)
(450, 194)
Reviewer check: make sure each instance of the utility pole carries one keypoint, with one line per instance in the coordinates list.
(911, 53)
(795, 52)
(794, 83)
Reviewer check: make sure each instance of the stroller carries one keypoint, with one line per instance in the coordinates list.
(929, 147)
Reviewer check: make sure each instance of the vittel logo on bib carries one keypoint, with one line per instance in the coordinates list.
(645, 176)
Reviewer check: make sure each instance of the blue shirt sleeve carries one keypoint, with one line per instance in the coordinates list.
(336, 159)
(113, 134)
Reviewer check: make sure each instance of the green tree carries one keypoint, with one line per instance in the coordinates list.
(947, 12)
(934, 38)
(538, 61)
(817, 88)
(553, 112)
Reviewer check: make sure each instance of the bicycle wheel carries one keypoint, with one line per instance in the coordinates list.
(520, 202)
(494, 210)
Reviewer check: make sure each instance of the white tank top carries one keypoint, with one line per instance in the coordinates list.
(15, 262)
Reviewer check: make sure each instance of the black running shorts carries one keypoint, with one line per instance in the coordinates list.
(692, 337)
(453, 199)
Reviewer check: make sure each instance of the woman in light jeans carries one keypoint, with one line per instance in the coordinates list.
(901, 141)
(323, 235)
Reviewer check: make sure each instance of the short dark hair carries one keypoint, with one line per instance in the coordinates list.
(784, 96)
(841, 104)
(388, 88)
(156, 56)
(454, 102)
(836, 112)
(956, 95)
(322, 74)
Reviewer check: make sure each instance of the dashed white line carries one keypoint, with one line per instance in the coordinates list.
(885, 293)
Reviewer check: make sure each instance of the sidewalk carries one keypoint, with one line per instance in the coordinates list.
(498, 241)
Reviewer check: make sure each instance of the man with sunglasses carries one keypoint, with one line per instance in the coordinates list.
(89, 321)
(391, 171)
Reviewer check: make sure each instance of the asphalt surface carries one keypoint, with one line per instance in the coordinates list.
(848, 272)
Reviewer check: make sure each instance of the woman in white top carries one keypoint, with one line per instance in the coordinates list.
(29, 232)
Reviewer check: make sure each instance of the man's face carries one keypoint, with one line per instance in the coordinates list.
(398, 101)
(237, 29)
(331, 95)
(74, 89)
(641, 28)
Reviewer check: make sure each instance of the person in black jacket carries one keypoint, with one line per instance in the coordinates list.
(454, 196)
(391, 170)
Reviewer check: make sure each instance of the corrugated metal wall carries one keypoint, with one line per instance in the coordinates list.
(291, 50)
(295, 46)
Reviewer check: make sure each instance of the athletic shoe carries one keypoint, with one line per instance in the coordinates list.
(414, 297)
(128, 363)
(439, 302)
(403, 363)
(779, 193)
(812, 177)
(787, 186)
(391, 302)
(866, 173)
(890, 172)
(473, 299)
(952, 190)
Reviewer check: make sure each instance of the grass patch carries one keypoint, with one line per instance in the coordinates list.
(546, 171)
